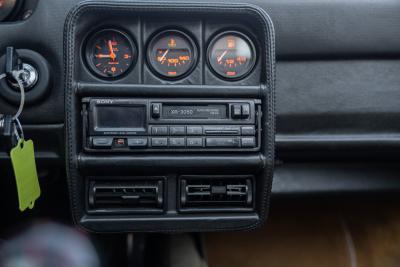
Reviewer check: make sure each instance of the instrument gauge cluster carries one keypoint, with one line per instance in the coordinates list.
(170, 54)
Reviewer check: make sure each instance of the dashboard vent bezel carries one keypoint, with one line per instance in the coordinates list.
(216, 193)
(126, 195)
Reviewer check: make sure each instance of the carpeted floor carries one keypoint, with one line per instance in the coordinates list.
(320, 233)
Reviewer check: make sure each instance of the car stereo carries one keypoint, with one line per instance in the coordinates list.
(131, 124)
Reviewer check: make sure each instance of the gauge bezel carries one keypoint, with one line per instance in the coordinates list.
(149, 60)
(10, 9)
(247, 39)
(88, 50)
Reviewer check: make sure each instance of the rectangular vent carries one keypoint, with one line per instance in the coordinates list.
(216, 193)
(132, 195)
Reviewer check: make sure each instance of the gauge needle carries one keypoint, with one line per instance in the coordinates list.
(164, 55)
(103, 56)
(110, 47)
(222, 56)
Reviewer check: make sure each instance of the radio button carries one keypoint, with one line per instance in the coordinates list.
(194, 142)
(102, 142)
(194, 130)
(236, 111)
(248, 142)
(222, 130)
(159, 130)
(245, 111)
(177, 130)
(137, 142)
(222, 142)
(177, 142)
(248, 130)
(120, 142)
(159, 142)
(155, 110)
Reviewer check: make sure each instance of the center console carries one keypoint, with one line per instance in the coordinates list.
(170, 116)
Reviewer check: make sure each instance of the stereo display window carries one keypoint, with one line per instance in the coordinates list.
(121, 117)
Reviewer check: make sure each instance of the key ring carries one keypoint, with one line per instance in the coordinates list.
(16, 75)
(18, 125)
(3, 75)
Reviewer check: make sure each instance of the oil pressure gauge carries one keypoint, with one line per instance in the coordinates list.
(171, 54)
(231, 55)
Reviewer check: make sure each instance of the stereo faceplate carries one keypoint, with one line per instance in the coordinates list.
(128, 124)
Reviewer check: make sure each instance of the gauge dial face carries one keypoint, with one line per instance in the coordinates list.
(110, 53)
(231, 55)
(6, 8)
(171, 54)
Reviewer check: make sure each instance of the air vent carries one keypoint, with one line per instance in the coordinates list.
(128, 196)
(216, 193)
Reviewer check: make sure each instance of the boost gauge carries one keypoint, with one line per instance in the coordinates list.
(110, 53)
(171, 54)
(231, 55)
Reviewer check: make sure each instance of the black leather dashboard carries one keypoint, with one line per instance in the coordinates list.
(337, 91)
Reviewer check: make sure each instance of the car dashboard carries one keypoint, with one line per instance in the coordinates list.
(189, 116)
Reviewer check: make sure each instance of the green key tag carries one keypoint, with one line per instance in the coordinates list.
(23, 161)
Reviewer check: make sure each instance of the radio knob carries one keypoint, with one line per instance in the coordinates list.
(155, 110)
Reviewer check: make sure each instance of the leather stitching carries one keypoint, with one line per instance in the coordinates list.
(267, 92)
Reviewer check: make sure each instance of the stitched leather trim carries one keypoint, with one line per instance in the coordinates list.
(267, 93)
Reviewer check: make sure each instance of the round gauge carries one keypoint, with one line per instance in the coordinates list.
(231, 55)
(171, 54)
(110, 53)
(9, 8)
